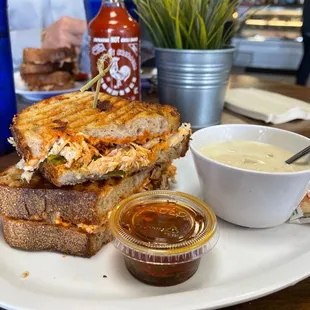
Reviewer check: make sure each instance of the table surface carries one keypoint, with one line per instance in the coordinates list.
(290, 90)
(296, 297)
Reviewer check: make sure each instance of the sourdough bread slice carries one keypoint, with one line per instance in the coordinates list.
(29, 68)
(51, 87)
(54, 78)
(39, 236)
(115, 120)
(48, 55)
(87, 203)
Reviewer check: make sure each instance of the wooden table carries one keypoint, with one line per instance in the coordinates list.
(296, 297)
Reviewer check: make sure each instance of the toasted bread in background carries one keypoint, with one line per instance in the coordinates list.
(52, 87)
(49, 55)
(55, 80)
(29, 68)
(38, 236)
(49, 69)
(87, 203)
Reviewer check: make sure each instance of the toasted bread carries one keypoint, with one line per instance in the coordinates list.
(56, 78)
(48, 55)
(29, 68)
(115, 120)
(52, 87)
(87, 203)
(40, 236)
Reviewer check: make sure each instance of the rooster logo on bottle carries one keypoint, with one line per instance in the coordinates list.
(119, 74)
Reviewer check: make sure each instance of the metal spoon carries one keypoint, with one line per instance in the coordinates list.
(300, 154)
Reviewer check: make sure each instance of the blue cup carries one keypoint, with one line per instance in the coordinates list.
(92, 8)
(7, 90)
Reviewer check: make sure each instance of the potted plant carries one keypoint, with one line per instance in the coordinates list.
(193, 55)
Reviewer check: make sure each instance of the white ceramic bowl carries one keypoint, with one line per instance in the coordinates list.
(244, 197)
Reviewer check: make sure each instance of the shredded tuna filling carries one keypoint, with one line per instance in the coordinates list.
(78, 153)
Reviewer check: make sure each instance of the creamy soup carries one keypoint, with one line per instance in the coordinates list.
(253, 156)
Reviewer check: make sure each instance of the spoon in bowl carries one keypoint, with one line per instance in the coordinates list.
(300, 154)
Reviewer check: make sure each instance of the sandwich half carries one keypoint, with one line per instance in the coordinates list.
(45, 69)
(73, 142)
(38, 216)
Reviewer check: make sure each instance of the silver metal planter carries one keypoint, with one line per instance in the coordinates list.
(195, 82)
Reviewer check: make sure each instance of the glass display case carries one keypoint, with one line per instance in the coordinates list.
(270, 37)
(273, 23)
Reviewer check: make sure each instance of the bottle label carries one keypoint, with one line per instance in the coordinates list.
(123, 79)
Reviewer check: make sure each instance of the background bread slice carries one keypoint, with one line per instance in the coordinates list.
(29, 68)
(38, 236)
(61, 176)
(55, 78)
(48, 55)
(51, 87)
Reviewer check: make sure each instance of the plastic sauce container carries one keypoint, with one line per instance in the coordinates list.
(162, 235)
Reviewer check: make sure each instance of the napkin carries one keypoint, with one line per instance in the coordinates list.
(266, 106)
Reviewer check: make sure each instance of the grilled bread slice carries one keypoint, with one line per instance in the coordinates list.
(85, 205)
(55, 78)
(29, 68)
(115, 120)
(69, 125)
(51, 87)
(49, 55)
(40, 236)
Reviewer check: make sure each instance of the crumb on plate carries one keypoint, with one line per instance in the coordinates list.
(24, 275)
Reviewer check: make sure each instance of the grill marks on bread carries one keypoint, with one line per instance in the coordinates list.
(107, 124)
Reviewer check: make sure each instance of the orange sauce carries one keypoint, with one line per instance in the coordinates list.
(162, 225)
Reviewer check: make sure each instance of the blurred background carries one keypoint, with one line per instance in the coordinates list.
(269, 42)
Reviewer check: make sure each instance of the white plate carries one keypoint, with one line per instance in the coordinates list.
(22, 89)
(245, 264)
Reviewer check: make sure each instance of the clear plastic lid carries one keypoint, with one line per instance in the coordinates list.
(163, 227)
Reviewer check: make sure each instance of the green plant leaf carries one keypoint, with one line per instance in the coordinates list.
(202, 31)
(188, 24)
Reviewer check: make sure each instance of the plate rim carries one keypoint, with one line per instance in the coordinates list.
(196, 299)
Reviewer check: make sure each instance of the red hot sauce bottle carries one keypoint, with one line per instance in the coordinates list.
(113, 31)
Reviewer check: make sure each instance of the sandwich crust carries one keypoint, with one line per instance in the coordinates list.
(87, 203)
(48, 55)
(39, 236)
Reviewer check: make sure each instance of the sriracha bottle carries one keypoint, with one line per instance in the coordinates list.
(113, 31)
